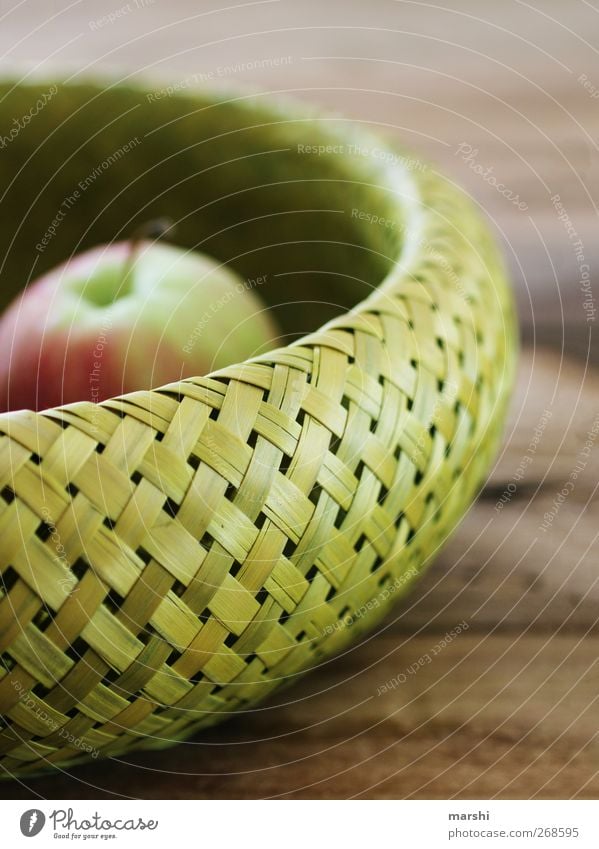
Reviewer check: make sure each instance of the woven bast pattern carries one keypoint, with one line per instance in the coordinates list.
(170, 557)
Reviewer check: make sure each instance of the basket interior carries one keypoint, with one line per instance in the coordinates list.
(246, 183)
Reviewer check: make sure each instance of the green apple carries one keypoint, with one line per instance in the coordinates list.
(127, 316)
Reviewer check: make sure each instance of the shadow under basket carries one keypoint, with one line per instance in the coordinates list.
(173, 556)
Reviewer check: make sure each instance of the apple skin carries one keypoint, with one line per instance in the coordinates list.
(119, 318)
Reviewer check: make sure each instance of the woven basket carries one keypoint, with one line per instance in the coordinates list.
(173, 556)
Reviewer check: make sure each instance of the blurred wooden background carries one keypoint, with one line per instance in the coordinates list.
(509, 707)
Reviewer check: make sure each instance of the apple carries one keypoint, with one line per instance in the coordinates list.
(126, 316)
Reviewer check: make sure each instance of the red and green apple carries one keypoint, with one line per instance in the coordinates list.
(126, 316)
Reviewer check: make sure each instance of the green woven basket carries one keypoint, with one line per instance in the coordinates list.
(173, 556)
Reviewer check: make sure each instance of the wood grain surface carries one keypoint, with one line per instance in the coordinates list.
(485, 682)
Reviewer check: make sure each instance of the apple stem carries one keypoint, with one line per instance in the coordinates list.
(154, 229)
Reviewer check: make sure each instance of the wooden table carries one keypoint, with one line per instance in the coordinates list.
(507, 707)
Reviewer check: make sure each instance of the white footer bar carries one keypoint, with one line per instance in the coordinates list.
(302, 824)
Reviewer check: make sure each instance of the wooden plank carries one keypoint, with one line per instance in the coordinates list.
(488, 716)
